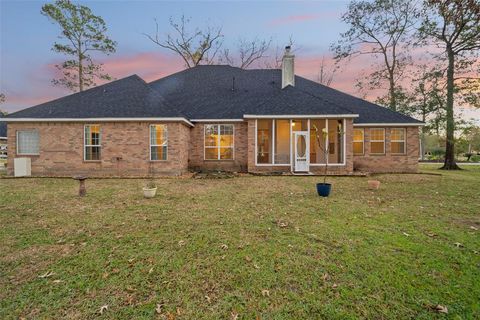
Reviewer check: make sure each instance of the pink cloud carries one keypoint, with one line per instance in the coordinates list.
(39, 89)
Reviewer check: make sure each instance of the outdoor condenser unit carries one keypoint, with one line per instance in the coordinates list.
(22, 167)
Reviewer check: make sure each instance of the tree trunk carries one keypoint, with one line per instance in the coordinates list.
(450, 163)
(80, 67)
(393, 98)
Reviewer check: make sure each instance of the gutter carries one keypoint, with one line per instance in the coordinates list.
(96, 120)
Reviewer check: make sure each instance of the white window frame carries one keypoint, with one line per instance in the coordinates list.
(17, 142)
(92, 145)
(362, 141)
(164, 144)
(404, 141)
(218, 141)
(291, 164)
(384, 142)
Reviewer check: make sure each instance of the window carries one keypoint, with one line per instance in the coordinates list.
(317, 141)
(335, 141)
(358, 138)
(265, 141)
(282, 141)
(377, 141)
(218, 143)
(397, 141)
(28, 142)
(92, 143)
(158, 142)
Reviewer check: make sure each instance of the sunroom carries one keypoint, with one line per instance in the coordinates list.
(300, 144)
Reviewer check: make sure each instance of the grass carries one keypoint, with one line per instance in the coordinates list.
(242, 248)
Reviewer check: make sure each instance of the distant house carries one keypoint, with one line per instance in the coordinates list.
(212, 118)
(3, 144)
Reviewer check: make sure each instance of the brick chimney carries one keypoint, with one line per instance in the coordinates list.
(288, 70)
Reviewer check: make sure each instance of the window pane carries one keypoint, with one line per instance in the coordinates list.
(211, 135)
(358, 147)
(226, 153)
(92, 135)
(28, 142)
(357, 134)
(377, 134)
(397, 134)
(317, 141)
(300, 125)
(92, 153)
(282, 141)
(226, 135)
(264, 141)
(335, 140)
(377, 147)
(211, 153)
(398, 147)
(158, 134)
(158, 152)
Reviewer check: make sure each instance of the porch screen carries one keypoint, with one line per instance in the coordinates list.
(264, 141)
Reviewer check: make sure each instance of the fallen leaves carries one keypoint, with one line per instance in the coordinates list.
(181, 243)
(441, 309)
(47, 275)
(265, 293)
(103, 308)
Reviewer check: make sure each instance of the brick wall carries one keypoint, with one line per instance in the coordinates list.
(389, 162)
(61, 150)
(238, 164)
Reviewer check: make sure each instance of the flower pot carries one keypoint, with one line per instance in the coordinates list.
(373, 184)
(323, 189)
(149, 192)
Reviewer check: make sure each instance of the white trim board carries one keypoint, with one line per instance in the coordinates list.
(388, 124)
(293, 116)
(96, 120)
(217, 120)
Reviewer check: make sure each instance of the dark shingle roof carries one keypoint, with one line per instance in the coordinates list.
(205, 92)
(124, 98)
(211, 92)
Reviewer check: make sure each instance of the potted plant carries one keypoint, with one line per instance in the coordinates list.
(150, 188)
(324, 188)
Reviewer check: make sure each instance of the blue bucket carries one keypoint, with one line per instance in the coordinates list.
(323, 189)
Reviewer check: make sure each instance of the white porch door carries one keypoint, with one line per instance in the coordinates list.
(302, 152)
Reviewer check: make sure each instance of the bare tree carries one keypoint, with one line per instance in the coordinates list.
(199, 46)
(454, 26)
(275, 62)
(326, 74)
(379, 28)
(248, 52)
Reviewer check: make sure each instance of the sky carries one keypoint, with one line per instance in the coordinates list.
(27, 63)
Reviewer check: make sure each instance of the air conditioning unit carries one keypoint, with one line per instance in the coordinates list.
(22, 167)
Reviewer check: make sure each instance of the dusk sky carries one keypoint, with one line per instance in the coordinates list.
(26, 37)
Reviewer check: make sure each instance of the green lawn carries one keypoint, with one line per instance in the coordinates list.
(242, 248)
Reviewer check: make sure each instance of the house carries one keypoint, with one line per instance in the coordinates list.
(3, 145)
(212, 117)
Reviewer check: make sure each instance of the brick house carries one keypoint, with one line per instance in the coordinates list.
(212, 118)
